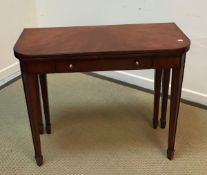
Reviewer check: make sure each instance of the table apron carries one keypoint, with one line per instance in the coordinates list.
(100, 64)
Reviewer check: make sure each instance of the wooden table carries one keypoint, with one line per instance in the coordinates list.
(99, 48)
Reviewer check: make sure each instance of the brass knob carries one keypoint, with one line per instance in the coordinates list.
(70, 66)
(137, 63)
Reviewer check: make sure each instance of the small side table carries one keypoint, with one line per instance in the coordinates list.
(161, 46)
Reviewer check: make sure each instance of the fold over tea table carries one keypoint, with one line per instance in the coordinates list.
(161, 46)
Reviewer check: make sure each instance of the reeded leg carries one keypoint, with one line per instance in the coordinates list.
(31, 89)
(157, 85)
(165, 88)
(176, 86)
(43, 85)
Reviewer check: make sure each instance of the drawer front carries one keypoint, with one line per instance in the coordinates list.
(103, 64)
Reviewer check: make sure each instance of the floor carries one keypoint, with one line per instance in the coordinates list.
(98, 127)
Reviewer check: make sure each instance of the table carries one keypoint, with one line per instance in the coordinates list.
(160, 46)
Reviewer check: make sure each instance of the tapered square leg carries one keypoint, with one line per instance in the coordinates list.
(31, 88)
(176, 86)
(41, 125)
(165, 88)
(44, 92)
(157, 86)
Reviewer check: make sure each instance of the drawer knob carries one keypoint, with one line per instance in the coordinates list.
(137, 63)
(70, 66)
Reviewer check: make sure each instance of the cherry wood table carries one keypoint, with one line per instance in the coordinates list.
(161, 46)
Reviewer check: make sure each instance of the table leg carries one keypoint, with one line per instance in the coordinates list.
(165, 88)
(157, 86)
(31, 89)
(176, 86)
(43, 85)
(41, 125)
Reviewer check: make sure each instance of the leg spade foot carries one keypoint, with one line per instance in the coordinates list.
(39, 160)
(155, 123)
(162, 123)
(48, 129)
(170, 154)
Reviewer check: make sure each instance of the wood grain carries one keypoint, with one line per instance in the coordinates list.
(100, 40)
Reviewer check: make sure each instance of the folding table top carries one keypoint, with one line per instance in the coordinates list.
(157, 38)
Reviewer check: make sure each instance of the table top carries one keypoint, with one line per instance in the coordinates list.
(48, 43)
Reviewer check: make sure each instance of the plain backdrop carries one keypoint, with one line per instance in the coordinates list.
(189, 15)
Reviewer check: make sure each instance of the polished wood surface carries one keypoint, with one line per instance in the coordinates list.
(31, 89)
(65, 42)
(44, 93)
(157, 88)
(161, 79)
(176, 87)
(165, 88)
(97, 48)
